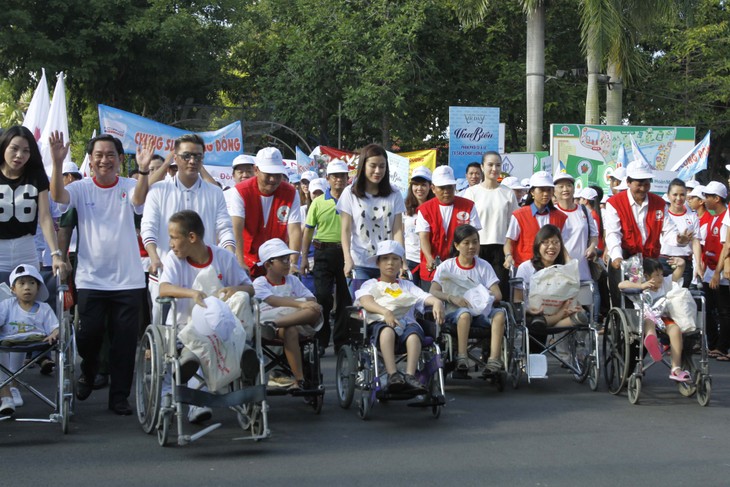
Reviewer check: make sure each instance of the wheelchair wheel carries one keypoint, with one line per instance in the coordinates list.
(345, 376)
(163, 429)
(704, 389)
(616, 351)
(257, 425)
(579, 357)
(634, 388)
(366, 405)
(688, 389)
(148, 382)
(592, 373)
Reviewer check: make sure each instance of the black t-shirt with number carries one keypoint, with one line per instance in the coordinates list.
(19, 204)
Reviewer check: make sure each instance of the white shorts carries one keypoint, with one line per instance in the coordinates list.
(16, 251)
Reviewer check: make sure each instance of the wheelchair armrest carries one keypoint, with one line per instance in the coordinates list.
(696, 293)
(631, 292)
(165, 300)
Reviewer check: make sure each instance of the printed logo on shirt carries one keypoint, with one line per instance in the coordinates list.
(715, 231)
(282, 214)
(659, 215)
(462, 218)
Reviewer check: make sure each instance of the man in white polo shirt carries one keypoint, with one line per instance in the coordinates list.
(109, 277)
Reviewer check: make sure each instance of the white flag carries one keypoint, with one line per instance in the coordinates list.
(57, 120)
(695, 160)
(35, 117)
(86, 165)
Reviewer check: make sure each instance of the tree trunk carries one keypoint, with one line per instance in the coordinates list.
(535, 76)
(614, 96)
(385, 127)
(593, 110)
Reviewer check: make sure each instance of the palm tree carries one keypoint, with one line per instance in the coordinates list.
(473, 12)
(610, 31)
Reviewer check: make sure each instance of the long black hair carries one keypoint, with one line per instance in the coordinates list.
(384, 187)
(411, 202)
(34, 166)
(546, 232)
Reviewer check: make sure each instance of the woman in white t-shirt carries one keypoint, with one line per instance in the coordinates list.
(687, 225)
(419, 191)
(371, 212)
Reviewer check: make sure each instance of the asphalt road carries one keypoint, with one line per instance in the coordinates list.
(549, 433)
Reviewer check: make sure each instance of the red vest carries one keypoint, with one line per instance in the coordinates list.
(522, 249)
(631, 235)
(713, 246)
(257, 231)
(441, 241)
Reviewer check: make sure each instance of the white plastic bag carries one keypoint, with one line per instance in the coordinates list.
(480, 300)
(553, 286)
(391, 297)
(681, 307)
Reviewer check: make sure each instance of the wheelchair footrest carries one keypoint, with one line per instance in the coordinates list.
(428, 402)
(196, 397)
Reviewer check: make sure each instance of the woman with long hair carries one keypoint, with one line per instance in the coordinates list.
(371, 212)
(419, 191)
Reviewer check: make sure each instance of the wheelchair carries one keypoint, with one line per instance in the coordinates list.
(478, 350)
(64, 354)
(158, 362)
(623, 351)
(360, 367)
(533, 345)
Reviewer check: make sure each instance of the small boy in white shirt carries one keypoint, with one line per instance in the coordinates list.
(24, 318)
(288, 307)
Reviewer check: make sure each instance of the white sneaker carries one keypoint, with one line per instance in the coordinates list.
(7, 406)
(17, 398)
(198, 414)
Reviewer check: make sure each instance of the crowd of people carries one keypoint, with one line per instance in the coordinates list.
(128, 240)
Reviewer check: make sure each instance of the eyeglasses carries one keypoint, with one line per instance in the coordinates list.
(283, 259)
(187, 156)
(550, 243)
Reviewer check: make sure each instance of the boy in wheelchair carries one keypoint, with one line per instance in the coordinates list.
(656, 285)
(24, 318)
(188, 257)
(391, 303)
(288, 308)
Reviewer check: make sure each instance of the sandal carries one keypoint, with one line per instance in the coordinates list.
(48, 366)
(715, 353)
(396, 382)
(722, 358)
(679, 375)
(462, 368)
(494, 365)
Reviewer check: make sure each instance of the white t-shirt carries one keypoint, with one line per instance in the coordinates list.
(373, 219)
(108, 253)
(446, 212)
(236, 207)
(292, 287)
(686, 221)
(575, 234)
(494, 207)
(407, 287)
(17, 323)
(182, 272)
(480, 273)
(412, 241)
(168, 197)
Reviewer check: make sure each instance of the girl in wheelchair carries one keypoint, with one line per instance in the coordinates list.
(391, 303)
(24, 318)
(457, 276)
(657, 286)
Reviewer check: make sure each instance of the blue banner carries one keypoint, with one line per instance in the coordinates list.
(472, 132)
(221, 146)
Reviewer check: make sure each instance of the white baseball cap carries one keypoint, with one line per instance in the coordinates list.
(589, 194)
(270, 161)
(337, 166)
(242, 159)
(604, 199)
(716, 188)
(541, 179)
(698, 192)
(619, 173)
(692, 183)
(274, 248)
(294, 177)
(30, 270)
(422, 172)
(513, 183)
(639, 170)
(70, 167)
(391, 247)
(526, 183)
(309, 176)
(623, 186)
(443, 176)
(216, 318)
(319, 184)
(562, 175)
